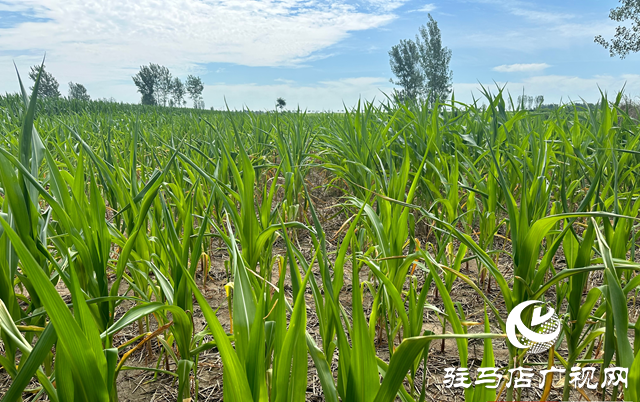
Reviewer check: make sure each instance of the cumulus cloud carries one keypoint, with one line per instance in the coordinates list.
(98, 41)
(539, 27)
(387, 5)
(521, 68)
(427, 8)
(529, 10)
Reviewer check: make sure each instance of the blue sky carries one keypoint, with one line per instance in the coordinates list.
(317, 54)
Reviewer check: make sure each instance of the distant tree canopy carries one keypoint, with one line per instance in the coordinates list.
(164, 81)
(78, 91)
(627, 39)
(178, 92)
(435, 61)
(421, 67)
(145, 80)
(281, 103)
(528, 102)
(195, 88)
(405, 65)
(49, 87)
(158, 87)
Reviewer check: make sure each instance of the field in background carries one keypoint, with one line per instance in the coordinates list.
(298, 256)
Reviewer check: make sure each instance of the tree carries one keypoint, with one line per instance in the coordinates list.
(195, 88)
(281, 103)
(146, 80)
(158, 87)
(78, 91)
(627, 39)
(527, 102)
(178, 92)
(435, 61)
(49, 87)
(164, 84)
(422, 67)
(405, 65)
(154, 83)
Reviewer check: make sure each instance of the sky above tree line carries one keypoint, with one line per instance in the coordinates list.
(316, 54)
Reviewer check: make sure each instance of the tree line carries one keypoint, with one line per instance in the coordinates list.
(529, 102)
(155, 83)
(50, 88)
(158, 87)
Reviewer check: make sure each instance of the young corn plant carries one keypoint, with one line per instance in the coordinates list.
(389, 230)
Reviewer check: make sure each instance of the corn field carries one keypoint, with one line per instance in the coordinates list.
(297, 249)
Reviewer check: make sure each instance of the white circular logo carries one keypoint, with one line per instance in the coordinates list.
(546, 332)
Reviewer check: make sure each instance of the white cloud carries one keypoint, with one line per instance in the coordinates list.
(387, 5)
(248, 32)
(100, 42)
(326, 95)
(535, 38)
(542, 17)
(427, 8)
(531, 11)
(538, 27)
(521, 68)
(556, 88)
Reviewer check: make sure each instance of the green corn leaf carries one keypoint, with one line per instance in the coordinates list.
(290, 377)
(184, 369)
(182, 327)
(363, 382)
(618, 303)
(237, 388)
(81, 359)
(33, 358)
(405, 355)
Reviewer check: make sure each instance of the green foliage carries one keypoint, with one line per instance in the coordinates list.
(626, 39)
(158, 87)
(78, 92)
(435, 60)
(178, 91)
(146, 81)
(195, 86)
(422, 66)
(49, 87)
(405, 65)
